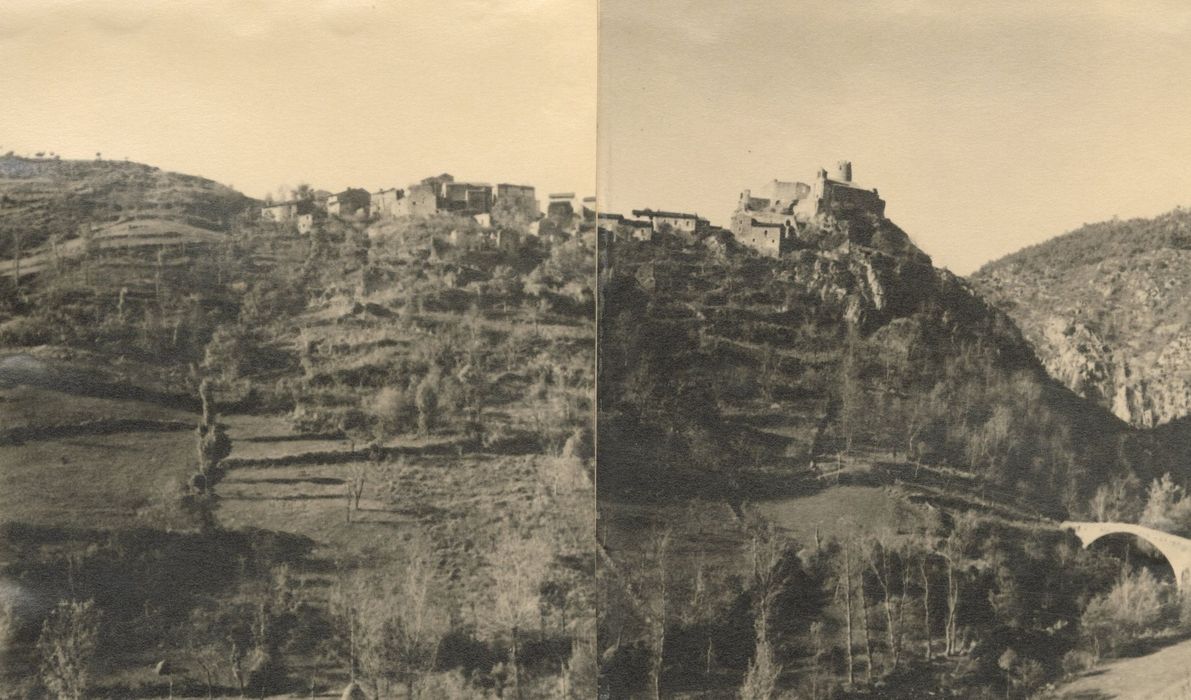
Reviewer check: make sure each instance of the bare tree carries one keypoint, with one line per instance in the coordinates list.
(645, 587)
(761, 680)
(67, 645)
(205, 645)
(519, 566)
(865, 628)
(954, 551)
(844, 585)
(404, 627)
(357, 477)
(348, 599)
(887, 562)
(924, 581)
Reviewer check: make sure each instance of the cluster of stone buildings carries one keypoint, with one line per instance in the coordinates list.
(651, 222)
(441, 193)
(771, 219)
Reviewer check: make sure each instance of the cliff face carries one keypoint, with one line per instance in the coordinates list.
(1105, 309)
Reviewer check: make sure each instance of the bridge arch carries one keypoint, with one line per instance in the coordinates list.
(1177, 550)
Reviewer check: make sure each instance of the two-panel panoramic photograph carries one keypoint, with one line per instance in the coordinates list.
(595, 349)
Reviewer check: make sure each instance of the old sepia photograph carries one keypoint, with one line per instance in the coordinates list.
(578, 349)
(894, 357)
(297, 349)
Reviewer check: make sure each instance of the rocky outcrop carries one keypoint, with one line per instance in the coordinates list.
(1105, 308)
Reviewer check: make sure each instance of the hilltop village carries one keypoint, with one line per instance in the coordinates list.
(491, 206)
(776, 220)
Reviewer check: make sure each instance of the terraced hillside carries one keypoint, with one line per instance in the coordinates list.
(772, 430)
(780, 364)
(46, 199)
(408, 421)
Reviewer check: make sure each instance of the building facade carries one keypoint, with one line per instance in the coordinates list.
(523, 197)
(384, 202)
(443, 194)
(676, 222)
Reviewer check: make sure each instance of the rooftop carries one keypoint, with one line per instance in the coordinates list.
(663, 214)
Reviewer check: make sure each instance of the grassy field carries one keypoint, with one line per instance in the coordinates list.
(90, 481)
(31, 406)
(458, 501)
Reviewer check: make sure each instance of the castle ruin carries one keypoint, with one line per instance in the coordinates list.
(771, 223)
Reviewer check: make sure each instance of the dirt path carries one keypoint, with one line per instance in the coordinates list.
(1162, 675)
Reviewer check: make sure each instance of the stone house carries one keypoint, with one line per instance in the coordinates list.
(384, 202)
(562, 206)
(638, 230)
(467, 198)
(350, 202)
(295, 209)
(623, 228)
(279, 212)
(440, 194)
(519, 198)
(609, 221)
(677, 222)
(419, 200)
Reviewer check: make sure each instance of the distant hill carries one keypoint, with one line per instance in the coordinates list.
(1105, 308)
(42, 198)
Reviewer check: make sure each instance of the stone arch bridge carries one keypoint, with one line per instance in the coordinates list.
(1177, 550)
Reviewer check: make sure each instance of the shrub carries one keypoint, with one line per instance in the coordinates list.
(1077, 661)
(426, 400)
(760, 683)
(394, 410)
(451, 684)
(1136, 605)
(213, 446)
(67, 646)
(25, 332)
(1184, 603)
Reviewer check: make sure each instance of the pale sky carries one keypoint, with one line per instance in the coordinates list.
(263, 93)
(986, 126)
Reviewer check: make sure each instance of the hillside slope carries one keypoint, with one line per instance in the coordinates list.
(738, 373)
(1104, 308)
(47, 199)
(449, 386)
(838, 404)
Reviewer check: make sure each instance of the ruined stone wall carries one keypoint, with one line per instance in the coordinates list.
(677, 223)
(771, 239)
(421, 200)
(384, 203)
(842, 201)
